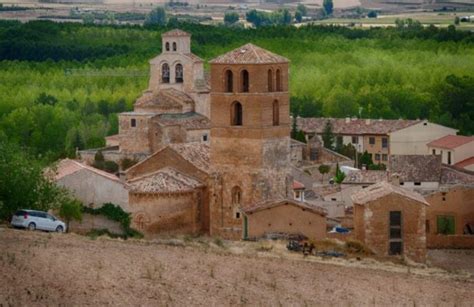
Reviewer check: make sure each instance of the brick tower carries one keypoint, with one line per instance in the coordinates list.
(250, 135)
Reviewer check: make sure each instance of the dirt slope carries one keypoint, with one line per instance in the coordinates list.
(51, 269)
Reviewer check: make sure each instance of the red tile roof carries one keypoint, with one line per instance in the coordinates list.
(281, 202)
(466, 162)
(249, 54)
(68, 167)
(297, 185)
(166, 180)
(451, 141)
(354, 126)
(382, 189)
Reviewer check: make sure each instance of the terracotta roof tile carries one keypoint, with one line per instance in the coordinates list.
(297, 185)
(366, 176)
(189, 121)
(465, 162)
(268, 204)
(165, 99)
(416, 168)
(451, 141)
(383, 189)
(195, 153)
(249, 54)
(353, 126)
(175, 32)
(166, 180)
(67, 167)
(454, 175)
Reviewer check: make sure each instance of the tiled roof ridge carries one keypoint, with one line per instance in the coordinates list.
(383, 189)
(90, 168)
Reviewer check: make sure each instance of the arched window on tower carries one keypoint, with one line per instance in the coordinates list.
(270, 80)
(167, 46)
(244, 79)
(229, 81)
(276, 113)
(278, 81)
(236, 201)
(236, 114)
(179, 73)
(174, 46)
(165, 73)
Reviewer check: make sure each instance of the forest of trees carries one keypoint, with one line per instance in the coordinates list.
(61, 84)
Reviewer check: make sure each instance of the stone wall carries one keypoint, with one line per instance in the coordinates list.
(288, 219)
(371, 223)
(166, 213)
(90, 222)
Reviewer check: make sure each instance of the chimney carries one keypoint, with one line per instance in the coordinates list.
(348, 120)
(367, 121)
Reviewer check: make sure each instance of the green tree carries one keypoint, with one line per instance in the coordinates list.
(324, 169)
(231, 18)
(457, 20)
(298, 16)
(339, 178)
(328, 136)
(45, 99)
(23, 184)
(99, 160)
(372, 14)
(328, 7)
(71, 210)
(302, 9)
(365, 159)
(156, 17)
(88, 18)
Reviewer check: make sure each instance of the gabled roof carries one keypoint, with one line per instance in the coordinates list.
(165, 99)
(454, 175)
(68, 167)
(465, 162)
(189, 120)
(175, 32)
(195, 153)
(382, 189)
(354, 126)
(281, 202)
(451, 141)
(165, 180)
(366, 176)
(416, 168)
(297, 185)
(249, 54)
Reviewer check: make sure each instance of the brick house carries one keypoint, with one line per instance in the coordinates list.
(390, 220)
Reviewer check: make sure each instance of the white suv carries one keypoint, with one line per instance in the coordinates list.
(32, 220)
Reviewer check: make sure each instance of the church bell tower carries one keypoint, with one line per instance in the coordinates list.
(250, 135)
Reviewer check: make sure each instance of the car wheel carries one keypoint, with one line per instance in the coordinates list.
(31, 226)
(59, 229)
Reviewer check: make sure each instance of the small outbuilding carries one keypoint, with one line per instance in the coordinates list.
(285, 217)
(390, 220)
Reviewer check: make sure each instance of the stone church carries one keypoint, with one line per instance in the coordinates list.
(217, 149)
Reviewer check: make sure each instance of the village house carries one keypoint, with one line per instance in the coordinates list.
(416, 171)
(454, 150)
(380, 138)
(390, 220)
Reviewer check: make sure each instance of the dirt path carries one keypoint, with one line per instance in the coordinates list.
(51, 269)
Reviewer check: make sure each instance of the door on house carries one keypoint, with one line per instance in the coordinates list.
(395, 233)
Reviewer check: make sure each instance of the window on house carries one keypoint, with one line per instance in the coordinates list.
(395, 233)
(237, 215)
(276, 113)
(167, 46)
(402, 183)
(384, 143)
(434, 151)
(165, 73)
(270, 80)
(427, 226)
(278, 81)
(229, 81)
(384, 157)
(377, 157)
(313, 154)
(449, 157)
(179, 73)
(417, 183)
(175, 47)
(133, 122)
(205, 137)
(372, 141)
(355, 140)
(236, 113)
(445, 224)
(244, 77)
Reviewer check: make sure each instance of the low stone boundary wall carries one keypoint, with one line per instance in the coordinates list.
(450, 241)
(90, 222)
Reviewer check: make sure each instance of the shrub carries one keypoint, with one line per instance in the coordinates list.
(126, 163)
(111, 167)
(116, 213)
(357, 247)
